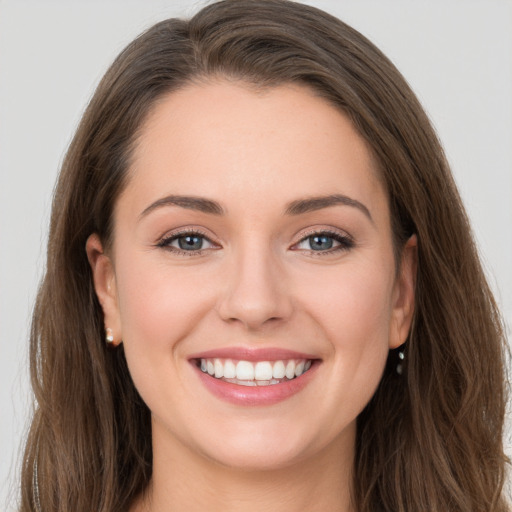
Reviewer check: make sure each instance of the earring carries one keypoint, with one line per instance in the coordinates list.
(401, 358)
(109, 336)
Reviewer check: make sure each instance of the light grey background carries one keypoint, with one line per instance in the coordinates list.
(457, 55)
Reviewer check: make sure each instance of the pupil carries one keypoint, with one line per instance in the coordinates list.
(320, 242)
(189, 242)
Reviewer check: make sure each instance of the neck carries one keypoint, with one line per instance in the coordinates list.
(187, 481)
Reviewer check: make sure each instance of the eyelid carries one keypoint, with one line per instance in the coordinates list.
(345, 241)
(323, 230)
(165, 241)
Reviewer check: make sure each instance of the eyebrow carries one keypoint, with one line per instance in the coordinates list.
(312, 204)
(189, 202)
(297, 207)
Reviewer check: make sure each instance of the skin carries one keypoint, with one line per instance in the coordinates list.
(256, 283)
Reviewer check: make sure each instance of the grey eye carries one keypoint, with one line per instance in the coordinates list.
(320, 242)
(187, 242)
(325, 242)
(190, 242)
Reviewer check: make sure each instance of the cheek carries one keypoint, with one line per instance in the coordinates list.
(352, 302)
(158, 304)
(159, 307)
(353, 314)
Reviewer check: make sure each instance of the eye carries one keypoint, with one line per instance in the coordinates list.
(324, 242)
(187, 242)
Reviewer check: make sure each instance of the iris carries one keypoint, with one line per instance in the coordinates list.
(320, 242)
(190, 242)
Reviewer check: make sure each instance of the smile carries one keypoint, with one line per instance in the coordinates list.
(258, 373)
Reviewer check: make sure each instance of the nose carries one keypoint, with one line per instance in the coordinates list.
(255, 294)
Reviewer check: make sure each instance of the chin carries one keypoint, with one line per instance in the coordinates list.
(263, 448)
(256, 458)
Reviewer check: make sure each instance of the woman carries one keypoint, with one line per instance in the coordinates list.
(262, 289)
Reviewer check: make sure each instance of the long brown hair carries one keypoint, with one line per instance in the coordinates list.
(431, 438)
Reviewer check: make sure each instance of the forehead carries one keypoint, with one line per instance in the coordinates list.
(229, 140)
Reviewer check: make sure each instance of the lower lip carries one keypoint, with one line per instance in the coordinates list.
(256, 395)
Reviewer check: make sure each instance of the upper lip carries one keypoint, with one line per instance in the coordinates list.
(252, 354)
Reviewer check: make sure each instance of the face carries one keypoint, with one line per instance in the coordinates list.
(252, 277)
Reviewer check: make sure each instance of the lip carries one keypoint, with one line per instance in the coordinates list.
(254, 395)
(252, 354)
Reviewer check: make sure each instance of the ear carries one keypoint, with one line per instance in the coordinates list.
(403, 294)
(104, 285)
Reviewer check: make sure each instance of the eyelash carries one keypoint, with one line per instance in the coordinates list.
(165, 243)
(345, 242)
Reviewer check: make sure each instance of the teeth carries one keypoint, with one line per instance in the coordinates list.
(261, 373)
(279, 370)
(299, 369)
(253, 382)
(244, 370)
(219, 368)
(229, 369)
(290, 370)
(242, 382)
